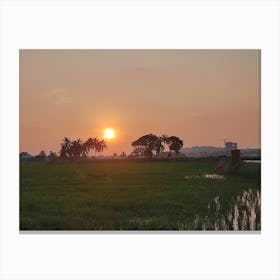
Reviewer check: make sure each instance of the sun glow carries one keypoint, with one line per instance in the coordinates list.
(109, 133)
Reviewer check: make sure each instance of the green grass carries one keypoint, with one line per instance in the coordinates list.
(124, 195)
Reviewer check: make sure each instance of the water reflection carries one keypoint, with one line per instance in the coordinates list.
(213, 176)
(206, 176)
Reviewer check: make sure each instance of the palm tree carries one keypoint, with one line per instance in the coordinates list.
(67, 146)
(100, 145)
(89, 145)
(77, 148)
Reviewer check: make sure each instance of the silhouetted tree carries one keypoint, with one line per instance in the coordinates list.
(150, 144)
(148, 153)
(52, 156)
(138, 151)
(63, 151)
(77, 148)
(66, 150)
(164, 139)
(174, 143)
(147, 144)
(42, 155)
(90, 144)
(100, 145)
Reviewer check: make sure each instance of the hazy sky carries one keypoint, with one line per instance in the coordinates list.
(201, 96)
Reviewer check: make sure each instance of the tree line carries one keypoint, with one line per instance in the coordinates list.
(146, 146)
(150, 144)
(71, 149)
(75, 149)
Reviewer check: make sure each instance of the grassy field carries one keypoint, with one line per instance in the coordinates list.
(126, 195)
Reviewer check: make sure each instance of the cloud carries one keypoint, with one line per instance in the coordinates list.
(59, 95)
(54, 92)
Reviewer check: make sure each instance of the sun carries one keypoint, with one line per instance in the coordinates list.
(109, 133)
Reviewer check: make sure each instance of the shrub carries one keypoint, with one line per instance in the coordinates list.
(244, 214)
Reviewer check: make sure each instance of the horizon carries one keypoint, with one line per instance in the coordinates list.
(165, 150)
(201, 96)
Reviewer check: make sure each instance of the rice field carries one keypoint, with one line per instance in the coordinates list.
(139, 195)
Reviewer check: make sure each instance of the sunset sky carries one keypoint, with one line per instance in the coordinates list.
(201, 96)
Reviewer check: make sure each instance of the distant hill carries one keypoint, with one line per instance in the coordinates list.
(206, 151)
(203, 151)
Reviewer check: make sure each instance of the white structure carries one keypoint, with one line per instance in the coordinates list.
(230, 146)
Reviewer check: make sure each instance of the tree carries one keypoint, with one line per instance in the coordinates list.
(52, 156)
(147, 145)
(164, 139)
(100, 145)
(63, 152)
(174, 143)
(42, 155)
(78, 149)
(148, 153)
(66, 151)
(89, 145)
(138, 151)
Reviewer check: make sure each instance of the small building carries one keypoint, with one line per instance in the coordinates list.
(235, 155)
(230, 146)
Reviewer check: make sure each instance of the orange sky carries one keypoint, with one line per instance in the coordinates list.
(201, 96)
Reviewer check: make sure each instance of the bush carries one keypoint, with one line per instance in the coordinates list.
(244, 214)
